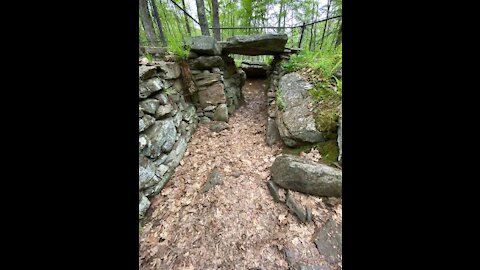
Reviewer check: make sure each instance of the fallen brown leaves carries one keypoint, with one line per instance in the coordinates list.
(236, 225)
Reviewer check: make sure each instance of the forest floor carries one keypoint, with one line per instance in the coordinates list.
(236, 224)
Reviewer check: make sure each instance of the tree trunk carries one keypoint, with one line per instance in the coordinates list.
(202, 18)
(339, 37)
(215, 20)
(147, 23)
(161, 35)
(186, 19)
(325, 26)
(280, 17)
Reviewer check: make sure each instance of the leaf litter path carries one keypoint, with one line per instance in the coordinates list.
(235, 225)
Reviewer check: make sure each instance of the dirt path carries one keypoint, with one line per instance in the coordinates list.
(235, 225)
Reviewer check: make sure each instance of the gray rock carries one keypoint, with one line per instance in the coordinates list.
(214, 179)
(140, 112)
(143, 141)
(309, 213)
(145, 122)
(174, 157)
(218, 126)
(195, 72)
(183, 128)
(206, 79)
(255, 44)
(209, 114)
(296, 208)
(205, 119)
(143, 206)
(146, 172)
(189, 113)
(177, 119)
(206, 45)
(162, 136)
(150, 86)
(339, 141)
(329, 241)
(273, 135)
(149, 105)
(146, 72)
(169, 70)
(221, 113)
(213, 95)
(178, 85)
(273, 188)
(299, 174)
(192, 55)
(206, 62)
(209, 108)
(216, 70)
(296, 123)
(163, 110)
(162, 98)
(161, 170)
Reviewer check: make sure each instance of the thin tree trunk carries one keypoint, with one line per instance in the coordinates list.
(339, 37)
(147, 23)
(325, 26)
(202, 18)
(161, 35)
(311, 27)
(186, 19)
(280, 17)
(215, 20)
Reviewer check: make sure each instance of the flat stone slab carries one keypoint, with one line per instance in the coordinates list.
(267, 44)
(329, 241)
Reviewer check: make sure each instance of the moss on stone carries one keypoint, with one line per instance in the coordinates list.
(297, 150)
(329, 151)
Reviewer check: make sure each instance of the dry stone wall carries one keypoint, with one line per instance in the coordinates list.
(166, 123)
(217, 80)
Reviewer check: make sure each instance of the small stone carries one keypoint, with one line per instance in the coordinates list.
(296, 208)
(273, 190)
(205, 119)
(209, 108)
(221, 113)
(163, 110)
(218, 126)
(271, 94)
(213, 180)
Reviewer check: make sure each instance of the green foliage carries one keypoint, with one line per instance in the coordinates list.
(181, 51)
(148, 56)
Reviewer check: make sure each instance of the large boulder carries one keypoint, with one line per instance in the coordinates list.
(212, 95)
(206, 62)
(266, 44)
(298, 174)
(206, 45)
(295, 122)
